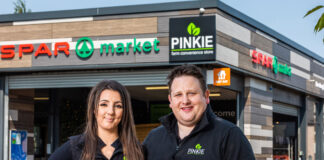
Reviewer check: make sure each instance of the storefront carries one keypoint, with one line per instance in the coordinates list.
(268, 85)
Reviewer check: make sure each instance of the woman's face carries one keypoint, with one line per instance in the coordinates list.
(110, 110)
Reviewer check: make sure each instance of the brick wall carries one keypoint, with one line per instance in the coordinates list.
(258, 118)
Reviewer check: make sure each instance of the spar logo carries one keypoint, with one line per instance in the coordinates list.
(84, 51)
(196, 151)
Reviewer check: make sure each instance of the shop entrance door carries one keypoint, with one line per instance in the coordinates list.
(284, 137)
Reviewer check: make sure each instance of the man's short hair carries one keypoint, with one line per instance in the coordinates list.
(187, 70)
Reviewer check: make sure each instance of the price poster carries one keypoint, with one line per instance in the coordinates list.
(18, 144)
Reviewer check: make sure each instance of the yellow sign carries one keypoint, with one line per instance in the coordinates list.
(222, 76)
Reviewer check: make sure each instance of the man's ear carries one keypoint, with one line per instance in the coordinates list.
(169, 97)
(207, 96)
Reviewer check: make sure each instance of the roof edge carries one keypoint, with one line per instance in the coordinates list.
(158, 7)
(114, 10)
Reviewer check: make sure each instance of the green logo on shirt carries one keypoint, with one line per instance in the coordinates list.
(198, 146)
(196, 151)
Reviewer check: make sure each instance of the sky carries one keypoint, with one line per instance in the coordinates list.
(283, 16)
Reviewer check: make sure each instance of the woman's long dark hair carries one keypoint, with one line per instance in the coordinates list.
(126, 128)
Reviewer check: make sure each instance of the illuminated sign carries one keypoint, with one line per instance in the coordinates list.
(84, 48)
(222, 77)
(271, 63)
(120, 47)
(8, 51)
(192, 39)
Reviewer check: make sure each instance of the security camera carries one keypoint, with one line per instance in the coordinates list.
(202, 10)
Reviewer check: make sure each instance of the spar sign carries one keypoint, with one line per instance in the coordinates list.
(84, 48)
(8, 51)
(271, 63)
(192, 39)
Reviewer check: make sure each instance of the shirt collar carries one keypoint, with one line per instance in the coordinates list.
(169, 121)
(116, 144)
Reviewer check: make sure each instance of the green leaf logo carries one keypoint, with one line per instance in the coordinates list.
(193, 30)
(198, 146)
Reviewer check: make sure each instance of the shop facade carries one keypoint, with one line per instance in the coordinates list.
(49, 61)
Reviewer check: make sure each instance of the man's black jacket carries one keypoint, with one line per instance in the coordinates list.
(212, 139)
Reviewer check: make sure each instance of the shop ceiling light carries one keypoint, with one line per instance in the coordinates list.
(41, 98)
(214, 94)
(157, 88)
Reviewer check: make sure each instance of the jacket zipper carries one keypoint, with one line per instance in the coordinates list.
(182, 142)
(178, 147)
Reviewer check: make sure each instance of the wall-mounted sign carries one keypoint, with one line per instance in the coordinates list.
(84, 48)
(8, 51)
(18, 144)
(222, 76)
(138, 47)
(271, 63)
(319, 85)
(192, 39)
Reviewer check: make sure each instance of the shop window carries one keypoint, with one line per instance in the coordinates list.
(225, 109)
(224, 103)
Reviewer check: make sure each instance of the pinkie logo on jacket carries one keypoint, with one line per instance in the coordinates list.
(198, 150)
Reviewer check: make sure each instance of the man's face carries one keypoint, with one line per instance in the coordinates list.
(187, 100)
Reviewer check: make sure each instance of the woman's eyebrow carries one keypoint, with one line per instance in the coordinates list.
(104, 100)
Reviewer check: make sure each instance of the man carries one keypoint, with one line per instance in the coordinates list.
(193, 131)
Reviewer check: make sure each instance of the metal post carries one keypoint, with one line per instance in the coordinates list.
(319, 130)
(50, 143)
(4, 118)
(241, 100)
(302, 128)
(240, 109)
(322, 126)
(56, 131)
(2, 104)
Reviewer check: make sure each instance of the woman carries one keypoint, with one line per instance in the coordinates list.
(109, 132)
